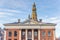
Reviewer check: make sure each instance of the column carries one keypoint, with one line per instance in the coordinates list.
(32, 34)
(26, 34)
(5, 35)
(20, 34)
(38, 34)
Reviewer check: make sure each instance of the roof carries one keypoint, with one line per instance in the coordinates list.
(29, 23)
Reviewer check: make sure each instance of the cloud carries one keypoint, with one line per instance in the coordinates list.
(52, 20)
(1, 25)
(5, 13)
(9, 10)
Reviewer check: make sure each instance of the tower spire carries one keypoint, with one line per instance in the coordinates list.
(34, 14)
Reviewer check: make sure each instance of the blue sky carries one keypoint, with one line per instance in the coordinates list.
(48, 10)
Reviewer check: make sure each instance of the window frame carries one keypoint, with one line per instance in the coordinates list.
(9, 33)
(43, 34)
(49, 33)
(15, 33)
(35, 33)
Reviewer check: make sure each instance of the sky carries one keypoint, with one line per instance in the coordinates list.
(12, 10)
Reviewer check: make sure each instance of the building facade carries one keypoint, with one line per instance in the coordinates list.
(30, 29)
(1, 34)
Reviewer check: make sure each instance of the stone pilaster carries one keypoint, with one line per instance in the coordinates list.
(54, 34)
(38, 34)
(20, 34)
(26, 34)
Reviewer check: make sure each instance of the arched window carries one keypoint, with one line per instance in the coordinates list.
(10, 34)
(15, 33)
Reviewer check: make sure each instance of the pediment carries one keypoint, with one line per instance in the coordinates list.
(30, 22)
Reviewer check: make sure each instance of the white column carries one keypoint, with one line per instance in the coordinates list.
(20, 34)
(32, 34)
(26, 34)
(5, 35)
(38, 34)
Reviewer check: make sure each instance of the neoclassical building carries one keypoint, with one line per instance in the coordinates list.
(30, 29)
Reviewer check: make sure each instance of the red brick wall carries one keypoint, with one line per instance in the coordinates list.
(47, 37)
(12, 37)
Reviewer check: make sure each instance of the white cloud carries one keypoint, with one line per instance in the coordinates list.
(1, 25)
(5, 13)
(52, 20)
(9, 10)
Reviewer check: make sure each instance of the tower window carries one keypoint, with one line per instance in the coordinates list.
(15, 33)
(10, 34)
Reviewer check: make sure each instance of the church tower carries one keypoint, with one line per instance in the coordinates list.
(34, 15)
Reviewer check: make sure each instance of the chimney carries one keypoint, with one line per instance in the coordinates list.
(18, 20)
(40, 20)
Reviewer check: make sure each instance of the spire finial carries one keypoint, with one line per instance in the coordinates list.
(34, 4)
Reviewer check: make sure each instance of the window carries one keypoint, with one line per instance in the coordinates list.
(49, 33)
(29, 34)
(10, 34)
(43, 33)
(23, 33)
(15, 33)
(35, 33)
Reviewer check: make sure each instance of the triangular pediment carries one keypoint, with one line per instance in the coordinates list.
(30, 22)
